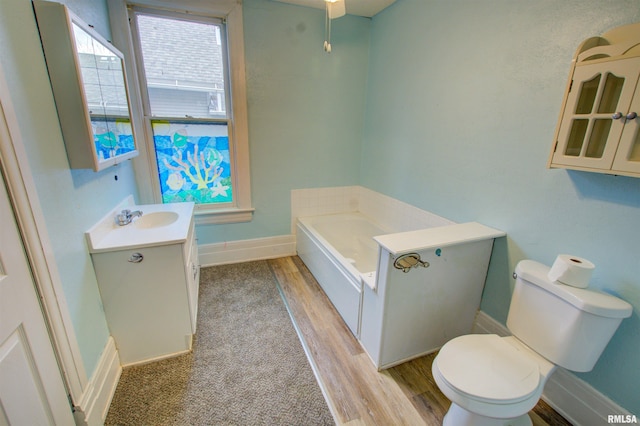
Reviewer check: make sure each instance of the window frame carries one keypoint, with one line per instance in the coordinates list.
(230, 15)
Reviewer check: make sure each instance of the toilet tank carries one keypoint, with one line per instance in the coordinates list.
(569, 326)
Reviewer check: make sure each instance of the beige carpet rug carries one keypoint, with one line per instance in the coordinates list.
(247, 366)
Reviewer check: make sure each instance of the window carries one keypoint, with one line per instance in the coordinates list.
(195, 130)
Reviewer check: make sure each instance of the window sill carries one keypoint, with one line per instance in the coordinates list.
(230, 215)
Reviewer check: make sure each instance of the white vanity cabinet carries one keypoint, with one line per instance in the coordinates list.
(599, 128)
(150, 295)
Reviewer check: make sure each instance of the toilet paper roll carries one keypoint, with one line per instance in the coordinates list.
(571, 270)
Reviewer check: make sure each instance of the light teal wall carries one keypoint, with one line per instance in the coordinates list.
(463, 99)
(72, 201)
(306, 110)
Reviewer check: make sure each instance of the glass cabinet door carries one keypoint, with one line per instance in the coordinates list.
(594, 115)
(628, 155)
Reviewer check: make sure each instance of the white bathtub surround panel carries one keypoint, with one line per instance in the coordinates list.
(441, 236)
(384, 210)
(373, 309)
(415, 313)
(321, 201)
(395, 214)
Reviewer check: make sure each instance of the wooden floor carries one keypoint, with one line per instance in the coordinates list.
(356, 392)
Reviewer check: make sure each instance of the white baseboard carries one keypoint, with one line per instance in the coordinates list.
(94, 404)
(573, 398)
(247, 250)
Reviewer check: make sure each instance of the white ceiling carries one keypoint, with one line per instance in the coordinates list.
(354, 7)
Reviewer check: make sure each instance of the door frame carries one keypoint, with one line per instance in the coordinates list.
(32, 227)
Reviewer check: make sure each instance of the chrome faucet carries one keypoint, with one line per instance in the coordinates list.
(126, 216)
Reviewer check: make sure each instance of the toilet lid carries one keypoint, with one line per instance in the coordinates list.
(485, 367)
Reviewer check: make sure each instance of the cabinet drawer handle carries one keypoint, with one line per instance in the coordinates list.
(617, 116)
(136, 258)
(632, 115)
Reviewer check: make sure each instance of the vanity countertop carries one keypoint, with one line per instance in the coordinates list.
(107, 236)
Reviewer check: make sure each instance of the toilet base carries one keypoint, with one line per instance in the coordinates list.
(458, 416)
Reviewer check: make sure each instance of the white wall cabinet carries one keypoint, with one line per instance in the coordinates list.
(90, 89)
(599, 128)
(151, 305)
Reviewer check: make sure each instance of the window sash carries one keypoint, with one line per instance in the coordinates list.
(206, 20)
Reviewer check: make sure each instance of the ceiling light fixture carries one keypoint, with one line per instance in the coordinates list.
(334, 9)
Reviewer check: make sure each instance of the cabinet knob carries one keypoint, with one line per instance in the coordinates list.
(617, 116)
(632, 115)
(136, 258)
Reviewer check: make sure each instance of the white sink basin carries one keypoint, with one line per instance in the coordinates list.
(155, 220)
(160, 224)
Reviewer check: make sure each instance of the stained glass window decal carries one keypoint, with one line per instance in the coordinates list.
(193, 161)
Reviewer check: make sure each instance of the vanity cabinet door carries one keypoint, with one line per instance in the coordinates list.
(594, 117)
(145, 301)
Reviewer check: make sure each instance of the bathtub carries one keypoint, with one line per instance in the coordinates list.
(342, 254)
(398, 315)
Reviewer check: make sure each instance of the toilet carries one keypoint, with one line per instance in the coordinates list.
(494, 380)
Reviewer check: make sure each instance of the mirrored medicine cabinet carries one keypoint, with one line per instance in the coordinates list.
(89, 87)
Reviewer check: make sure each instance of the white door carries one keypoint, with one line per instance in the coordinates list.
(31, 385)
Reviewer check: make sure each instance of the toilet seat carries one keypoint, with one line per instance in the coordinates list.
(488, 369)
